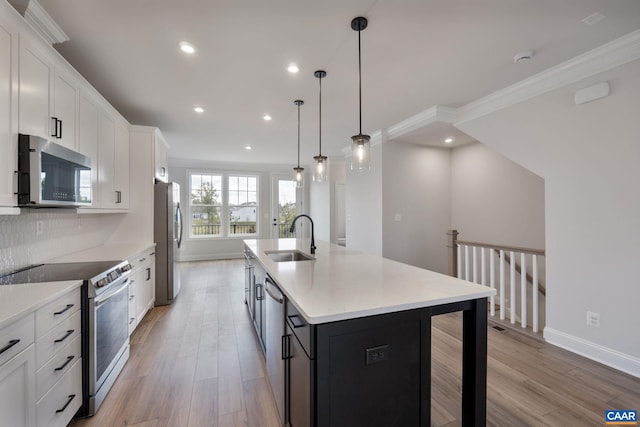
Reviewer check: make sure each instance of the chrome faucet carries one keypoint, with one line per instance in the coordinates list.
(313, 240)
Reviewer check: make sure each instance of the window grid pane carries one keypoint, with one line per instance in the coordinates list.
(206, 205)
(243, 206)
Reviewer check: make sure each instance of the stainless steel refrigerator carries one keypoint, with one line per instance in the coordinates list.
(167, 230)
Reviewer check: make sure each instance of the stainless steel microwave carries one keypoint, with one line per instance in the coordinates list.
(51, 175)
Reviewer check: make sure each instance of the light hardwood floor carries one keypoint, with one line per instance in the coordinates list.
(198, 363)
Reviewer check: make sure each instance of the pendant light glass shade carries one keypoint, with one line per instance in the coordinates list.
(360, 144)
(298, 172)
(360, 152)
(320, 170)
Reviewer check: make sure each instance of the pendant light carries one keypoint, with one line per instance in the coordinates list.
(360, 145)
(320, 172)
(298, 172)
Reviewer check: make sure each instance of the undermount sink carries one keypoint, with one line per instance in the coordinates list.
(289, 255)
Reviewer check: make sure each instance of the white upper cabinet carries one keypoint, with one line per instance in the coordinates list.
(8, 113)
(113, 162)
(48, 96)
(65, 110)
(122, 159)
(34, 91)
(161, 157)
(88, 134)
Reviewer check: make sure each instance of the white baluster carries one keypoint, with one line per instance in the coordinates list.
(523, 290)
(459, 262)
(492, 280)
(534, 267)
(466, 262)
(483, 269)
(512, 284)
(475, 265)
(502, 285)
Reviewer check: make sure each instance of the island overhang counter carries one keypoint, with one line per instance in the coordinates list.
(366, 321)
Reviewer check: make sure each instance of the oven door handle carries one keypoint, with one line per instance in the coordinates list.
(102, 300)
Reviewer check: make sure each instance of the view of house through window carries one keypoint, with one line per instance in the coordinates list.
(223, 205)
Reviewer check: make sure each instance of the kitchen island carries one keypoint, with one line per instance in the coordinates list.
(357, 335)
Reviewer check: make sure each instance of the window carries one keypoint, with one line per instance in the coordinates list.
(223, 205)
(205, 205)
(243, 204)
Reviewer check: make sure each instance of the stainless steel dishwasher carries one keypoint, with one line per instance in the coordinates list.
(273, 343)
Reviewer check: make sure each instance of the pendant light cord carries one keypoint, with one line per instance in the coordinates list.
(360, 81)
(320, 119)
(298, 135)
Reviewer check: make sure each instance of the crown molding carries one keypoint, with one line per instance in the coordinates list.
(437, 113)
(610, 55)
(44, 24)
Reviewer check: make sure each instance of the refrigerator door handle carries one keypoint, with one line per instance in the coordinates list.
(179, 214)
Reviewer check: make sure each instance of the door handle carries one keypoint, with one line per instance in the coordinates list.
(286, 347)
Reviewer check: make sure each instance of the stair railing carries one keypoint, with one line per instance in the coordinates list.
(464, 264)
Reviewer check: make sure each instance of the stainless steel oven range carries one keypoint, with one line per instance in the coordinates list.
(105, 314)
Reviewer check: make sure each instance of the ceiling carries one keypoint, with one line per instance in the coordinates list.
(415, 54)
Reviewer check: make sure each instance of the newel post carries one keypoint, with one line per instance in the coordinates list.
(452, 249)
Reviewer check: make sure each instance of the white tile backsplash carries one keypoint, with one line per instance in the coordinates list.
(36, 236)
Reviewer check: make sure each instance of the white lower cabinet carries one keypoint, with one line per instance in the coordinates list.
(61, 402)
(58, 377)
(17, 380)
(142, 286)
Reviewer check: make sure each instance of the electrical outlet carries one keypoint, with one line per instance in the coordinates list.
(39, 228)
(377, 354)
(593, 319)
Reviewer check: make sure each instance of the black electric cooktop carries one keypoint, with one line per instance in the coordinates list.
(57, 272)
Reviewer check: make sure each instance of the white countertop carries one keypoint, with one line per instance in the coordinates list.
(17, 301)
(344, 284)
(104, 253)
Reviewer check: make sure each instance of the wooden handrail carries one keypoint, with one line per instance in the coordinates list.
(539, 252)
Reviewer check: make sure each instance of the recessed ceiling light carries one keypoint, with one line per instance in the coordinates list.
(248, 147)
(198, 109)
(187, 47)
(522, 57)
(266, 117)
(448, 140)
(293, 68)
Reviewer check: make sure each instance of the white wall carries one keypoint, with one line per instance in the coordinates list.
(320, 208)
(495, 200)
(364, 206)
(221, 248)
(588, 156)
(416, 209)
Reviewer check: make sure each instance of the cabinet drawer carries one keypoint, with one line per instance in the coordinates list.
(53, 313)
(16, 337)
(61, 402)
(301, 329)
(61, 335)
(57, 366)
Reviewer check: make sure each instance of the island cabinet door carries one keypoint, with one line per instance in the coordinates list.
(370, 371)
(298, 392)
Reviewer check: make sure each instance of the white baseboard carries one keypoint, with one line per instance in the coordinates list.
(615, 359)
(210, 257)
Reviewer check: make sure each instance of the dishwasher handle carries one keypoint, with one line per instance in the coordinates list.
(273, 290)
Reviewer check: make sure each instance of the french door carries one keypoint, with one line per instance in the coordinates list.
(285, 205)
